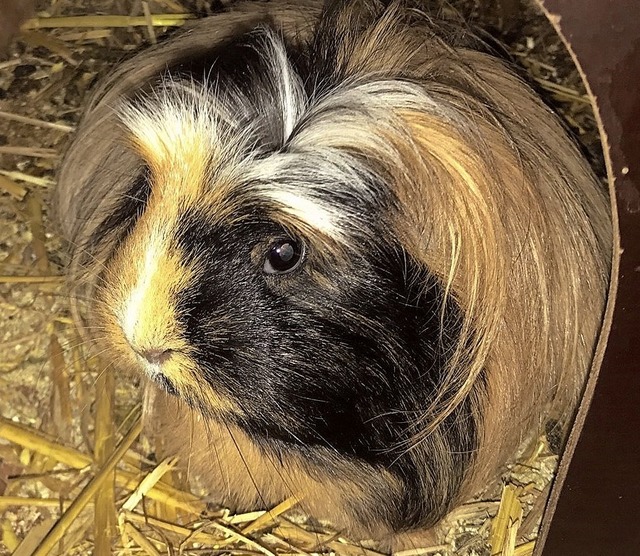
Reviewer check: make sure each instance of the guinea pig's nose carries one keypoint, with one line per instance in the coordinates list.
(155, 356)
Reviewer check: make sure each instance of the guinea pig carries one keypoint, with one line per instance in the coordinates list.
(357, 256)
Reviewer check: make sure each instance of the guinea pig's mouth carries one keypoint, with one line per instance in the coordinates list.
(172, 368)
(152, 362)
(154, 372)
(162, 381)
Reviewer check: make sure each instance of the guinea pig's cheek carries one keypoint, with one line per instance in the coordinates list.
(184, 378)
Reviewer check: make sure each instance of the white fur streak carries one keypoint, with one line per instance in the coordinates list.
(292, 97)
(135, 302)
(308, 211)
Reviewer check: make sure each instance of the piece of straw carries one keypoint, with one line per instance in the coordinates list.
(149, 19)
(12, 188)
(525, 549)
(267, 518)
(54, 45)
(38, 237)
(87, 493)
(240, 537)
(61, 391)
(21, 176)
(423, 551)
(33, 538)
(148, 483)
(31, 279)
(504, 527)
(9, 501)
(36, 441)
(35, 122)
(34, 152)
(137, 537)
(94, 21)
(105, 506)
(194, 536)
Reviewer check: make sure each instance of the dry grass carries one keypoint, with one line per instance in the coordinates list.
(75, 478)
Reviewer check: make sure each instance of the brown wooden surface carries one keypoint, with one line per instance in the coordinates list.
(597, 495)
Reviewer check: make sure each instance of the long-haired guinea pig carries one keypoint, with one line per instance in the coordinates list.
(359, 254)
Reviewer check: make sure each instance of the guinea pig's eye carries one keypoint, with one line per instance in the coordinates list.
(284, 256)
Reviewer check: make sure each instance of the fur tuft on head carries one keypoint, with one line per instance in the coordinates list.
(363, 258)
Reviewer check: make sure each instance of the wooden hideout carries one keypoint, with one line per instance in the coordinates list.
(595, 502)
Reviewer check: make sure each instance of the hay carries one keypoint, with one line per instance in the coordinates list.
(164, 20)
(71, 481)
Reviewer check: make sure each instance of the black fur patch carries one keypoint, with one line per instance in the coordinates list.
(122, 218)
(347, 369)
(233, 60)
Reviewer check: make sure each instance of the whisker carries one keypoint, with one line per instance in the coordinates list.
(246, 465)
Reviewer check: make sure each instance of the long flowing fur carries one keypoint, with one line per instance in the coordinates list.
(394, 125)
